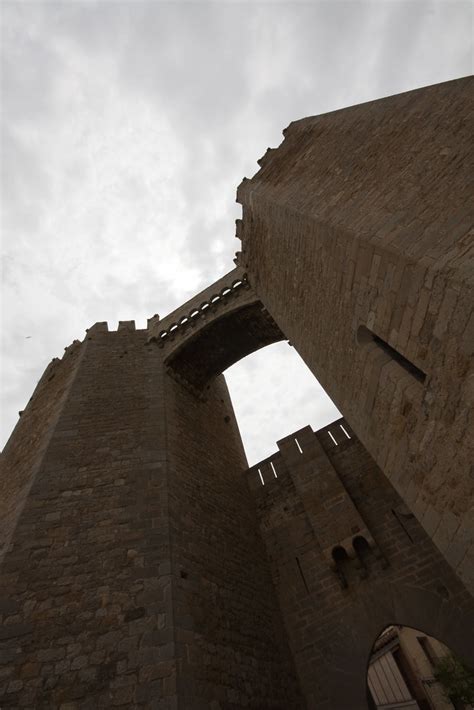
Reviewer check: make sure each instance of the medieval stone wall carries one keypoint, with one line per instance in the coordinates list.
(140, 570)
(24, 451)
(357, 237)
(213, 330)
(92, 617)
(135, 576)
(333, 614)
(232, 648)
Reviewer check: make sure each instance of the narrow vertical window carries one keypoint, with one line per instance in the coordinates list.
(345, 431)
(365, 336)
(298, 445)
(341, 562)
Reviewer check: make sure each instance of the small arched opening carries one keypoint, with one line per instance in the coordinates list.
(363, 554)
(341, 565)
(222, 330)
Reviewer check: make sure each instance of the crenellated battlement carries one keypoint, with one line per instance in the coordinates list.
(268, 164)
(52, 368)
(75, 348)
(103, 327)
(306, 469)
(212, 331)
(189, 315)
(269, 470)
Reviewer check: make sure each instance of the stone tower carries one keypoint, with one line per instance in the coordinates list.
(357, 235)
(144, 565)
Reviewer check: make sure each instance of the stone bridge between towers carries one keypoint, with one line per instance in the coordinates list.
(213, 330)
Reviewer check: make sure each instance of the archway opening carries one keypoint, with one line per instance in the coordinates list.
(410, 669)
(274, 393)
(224, 330)
(224, 339)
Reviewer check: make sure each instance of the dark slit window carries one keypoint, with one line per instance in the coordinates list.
(364, 336)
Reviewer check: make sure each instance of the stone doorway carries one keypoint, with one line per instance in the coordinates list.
(410, 669)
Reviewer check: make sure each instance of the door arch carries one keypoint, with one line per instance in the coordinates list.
(403, 670)
(349, 650)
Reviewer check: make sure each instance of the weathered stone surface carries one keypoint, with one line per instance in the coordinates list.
(363, 218)
(144, 567)
(125, 562)
(307, 511)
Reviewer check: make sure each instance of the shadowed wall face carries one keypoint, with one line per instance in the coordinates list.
(356, 238)
(324, 495)
(92, 614)
(212, 331)
(221, 343)
(136, 573)
(231, 642)
(22, 454)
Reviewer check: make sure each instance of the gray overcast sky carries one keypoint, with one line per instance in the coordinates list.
(126, 129)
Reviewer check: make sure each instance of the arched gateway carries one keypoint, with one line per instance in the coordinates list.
(145, 566)
(214, 330)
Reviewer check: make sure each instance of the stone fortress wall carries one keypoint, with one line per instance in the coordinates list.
(23, 452)
(135, 574)
(357, 237)
(348, 558)
(145, 566)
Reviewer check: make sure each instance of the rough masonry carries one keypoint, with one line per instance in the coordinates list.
(144, 565)
(357, 236)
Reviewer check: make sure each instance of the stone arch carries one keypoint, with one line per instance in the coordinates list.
(214, 330)
(348, 649)
(224, 338)
(411, 656)
(363, 552)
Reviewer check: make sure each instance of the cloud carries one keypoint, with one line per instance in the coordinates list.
(126, 129)
(289, 398)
